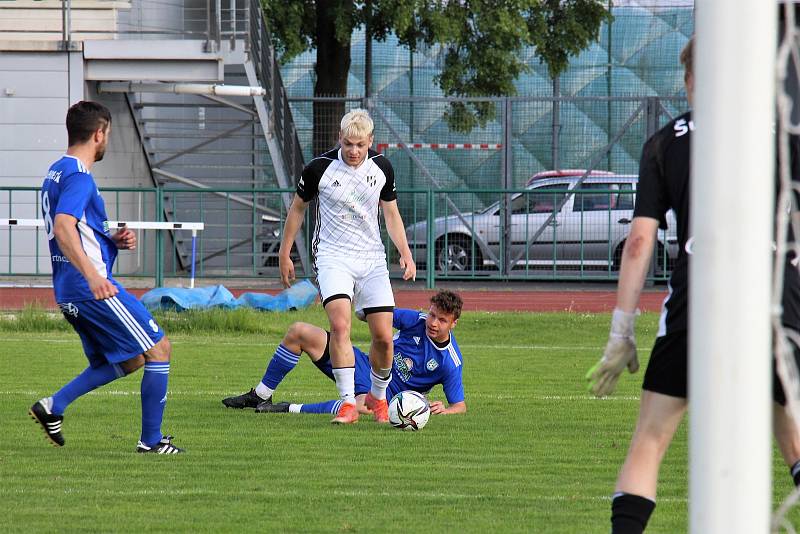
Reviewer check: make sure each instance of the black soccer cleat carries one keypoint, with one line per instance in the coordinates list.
(268, 407)
(164, 446)
(41, 412)
(245, 400)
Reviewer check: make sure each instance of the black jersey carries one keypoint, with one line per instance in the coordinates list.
(348, 202)
(791, 279)
(664, 185)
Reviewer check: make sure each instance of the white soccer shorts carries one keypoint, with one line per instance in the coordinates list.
(365, 283)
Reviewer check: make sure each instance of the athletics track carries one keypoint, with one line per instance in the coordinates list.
(531, 300)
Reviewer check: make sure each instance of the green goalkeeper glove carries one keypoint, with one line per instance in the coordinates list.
(620, 353)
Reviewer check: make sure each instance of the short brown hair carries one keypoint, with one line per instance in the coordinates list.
(448, 302)
(687, 57)
(85, 118)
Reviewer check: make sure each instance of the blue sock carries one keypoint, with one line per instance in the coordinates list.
(89, 380)
(331, 406)
(282, 362)
(154, 399)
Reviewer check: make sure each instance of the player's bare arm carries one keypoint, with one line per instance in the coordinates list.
(438, 408)
(65, 228)
(294, 220)
(636, 256)
(397, 233)
(620, 351)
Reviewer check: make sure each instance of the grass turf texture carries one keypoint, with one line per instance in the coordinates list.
(534, 453)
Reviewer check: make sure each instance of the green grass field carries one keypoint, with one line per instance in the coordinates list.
(534, 453)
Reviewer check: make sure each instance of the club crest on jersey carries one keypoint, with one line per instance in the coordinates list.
(404, 366)
(432, 365)
(371, 181)
(68, 308)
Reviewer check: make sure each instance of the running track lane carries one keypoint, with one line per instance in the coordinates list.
(13, 298)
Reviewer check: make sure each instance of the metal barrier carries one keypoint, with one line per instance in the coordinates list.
(547, 233)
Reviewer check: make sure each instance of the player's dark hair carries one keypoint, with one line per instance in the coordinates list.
(85, 118)
(448, 302)
(687, 57)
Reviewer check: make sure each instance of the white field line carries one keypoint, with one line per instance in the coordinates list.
(221, 393)
(269, 342)
(344, 493)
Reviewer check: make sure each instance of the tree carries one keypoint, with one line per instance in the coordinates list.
(481, 38)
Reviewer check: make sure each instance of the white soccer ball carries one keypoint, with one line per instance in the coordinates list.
(409, 410)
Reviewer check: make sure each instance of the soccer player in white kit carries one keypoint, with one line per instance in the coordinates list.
(351, 182)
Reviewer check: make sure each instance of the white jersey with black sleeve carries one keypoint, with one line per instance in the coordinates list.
(347, 204)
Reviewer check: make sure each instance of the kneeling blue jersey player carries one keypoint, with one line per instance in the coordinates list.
(425, 354)
(118, 334)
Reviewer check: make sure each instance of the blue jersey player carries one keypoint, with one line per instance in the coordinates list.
(425, 354)
(118, 334)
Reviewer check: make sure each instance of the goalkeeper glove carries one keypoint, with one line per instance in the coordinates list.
(620, 353)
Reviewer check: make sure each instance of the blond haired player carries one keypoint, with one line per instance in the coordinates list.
(351, 184)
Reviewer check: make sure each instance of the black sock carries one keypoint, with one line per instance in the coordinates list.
(795, 472)
(629, 513)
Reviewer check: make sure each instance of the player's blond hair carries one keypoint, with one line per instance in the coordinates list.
(356, 123)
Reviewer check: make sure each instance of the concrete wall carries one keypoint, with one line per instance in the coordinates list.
(36, 89)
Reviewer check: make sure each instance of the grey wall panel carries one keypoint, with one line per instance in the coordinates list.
(21, 110)
(33, 137)
(32, 61)
(27, 164)
(34, 83)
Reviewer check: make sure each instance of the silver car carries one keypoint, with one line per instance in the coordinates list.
(555, 223)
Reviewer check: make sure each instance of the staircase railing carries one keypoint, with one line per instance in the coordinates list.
(267, 70)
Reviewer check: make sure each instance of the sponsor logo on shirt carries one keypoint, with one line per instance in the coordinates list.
(336, 183)
(53, 175)
(59, 259)
(682, 127)
(68, 308)
(416, 340)
(404, 366)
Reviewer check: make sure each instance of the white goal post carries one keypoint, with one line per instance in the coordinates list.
(194, 227)
(732, 217)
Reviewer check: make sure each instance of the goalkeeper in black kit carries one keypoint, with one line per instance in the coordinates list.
(663, 185)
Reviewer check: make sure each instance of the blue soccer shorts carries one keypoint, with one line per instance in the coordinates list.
(363, 381)
(112, 330)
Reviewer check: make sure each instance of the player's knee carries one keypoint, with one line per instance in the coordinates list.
(160, 352)
(294, 334)
(382, 340)
(340, 327)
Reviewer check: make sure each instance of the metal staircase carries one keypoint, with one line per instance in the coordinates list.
(238, 143)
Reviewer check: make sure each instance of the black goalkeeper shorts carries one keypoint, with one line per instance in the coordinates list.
(667, 371)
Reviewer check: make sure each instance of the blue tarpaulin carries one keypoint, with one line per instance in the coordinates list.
(300, 295)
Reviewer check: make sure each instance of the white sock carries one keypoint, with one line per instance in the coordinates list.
(380, 383)
(345, 382)
(295, 408)
(263, 391)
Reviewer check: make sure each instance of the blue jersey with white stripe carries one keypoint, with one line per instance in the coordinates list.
(69, 188)
(419, 364)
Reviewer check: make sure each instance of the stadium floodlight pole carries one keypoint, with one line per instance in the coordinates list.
(730, 271)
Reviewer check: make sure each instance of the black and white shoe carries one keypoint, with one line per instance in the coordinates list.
(164, 446)
(41, 412)
(269, 407)
(245, 400)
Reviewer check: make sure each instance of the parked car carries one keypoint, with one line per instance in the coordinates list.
(578, 225)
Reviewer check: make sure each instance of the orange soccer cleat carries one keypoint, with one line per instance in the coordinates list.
(348, 414)
(379, 407)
